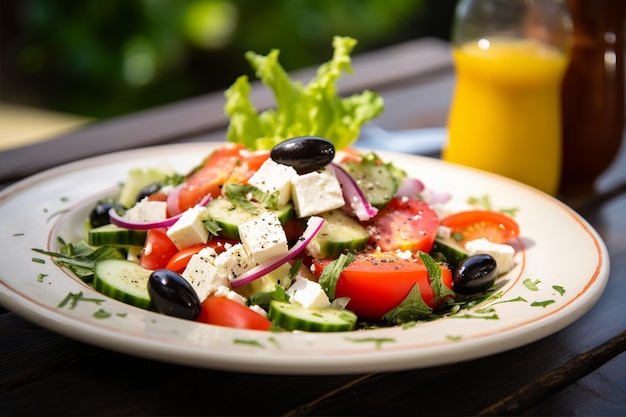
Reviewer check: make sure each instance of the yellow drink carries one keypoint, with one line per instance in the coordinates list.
(505, 115)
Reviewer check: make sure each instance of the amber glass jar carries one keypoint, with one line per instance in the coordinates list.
(593, 93)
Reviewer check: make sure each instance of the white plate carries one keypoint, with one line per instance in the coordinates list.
(558, 249)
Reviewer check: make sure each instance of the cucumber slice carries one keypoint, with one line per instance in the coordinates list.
(378, 182)
(113, 235)
(340, 233)
(123, 280)
(452, 252)
(268, 282)
(229, 216)
(138, 179)
(294, 317)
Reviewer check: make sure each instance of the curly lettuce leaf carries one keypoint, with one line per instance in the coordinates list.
(314, 109)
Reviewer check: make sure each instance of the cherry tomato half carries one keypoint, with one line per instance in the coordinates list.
(178, 262)
(378, 282)
(476, 224)
(405, 223)
(158, 196)
(349, 154)
(157, 250)
(228, 163)
(222, 311)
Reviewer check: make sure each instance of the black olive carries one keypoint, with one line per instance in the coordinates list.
(475, 274)
(305, 154)
(148, 190)
(99, 215)
(173, 295)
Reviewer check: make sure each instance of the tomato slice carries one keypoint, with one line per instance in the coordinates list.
(349, 154)
(251, 161)
(231, 162)
(378, 282)
(157, 250)
(405, 223)
(222, 311)
(157, 196)
(476, 224)
(178, 262)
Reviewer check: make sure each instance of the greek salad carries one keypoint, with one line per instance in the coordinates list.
(288, 227)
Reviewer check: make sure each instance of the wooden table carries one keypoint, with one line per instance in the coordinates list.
(580, 370)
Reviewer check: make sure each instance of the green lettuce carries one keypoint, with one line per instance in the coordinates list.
(312, 110)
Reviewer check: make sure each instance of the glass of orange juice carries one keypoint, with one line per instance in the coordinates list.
(510, 58)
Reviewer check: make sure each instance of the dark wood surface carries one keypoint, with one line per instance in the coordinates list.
(578, 371)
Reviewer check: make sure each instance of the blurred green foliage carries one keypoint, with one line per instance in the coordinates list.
(102, 58)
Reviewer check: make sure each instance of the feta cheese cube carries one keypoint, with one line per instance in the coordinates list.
(234, 261)
(316, 192)
(263, 237)
(226, 292)
(222, 291)
(202, 274)
(147, 211)
(308, 294)
(444, 232)
(234, 296)
(272, 177)
(502, 253)
(189, 228)
(259, 310)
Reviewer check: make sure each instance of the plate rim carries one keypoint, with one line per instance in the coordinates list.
(338, 365)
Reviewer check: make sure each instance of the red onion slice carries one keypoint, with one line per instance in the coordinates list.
(353, 195)
(120, 221)
(313, 226)
(435, 197)
(410, 187)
